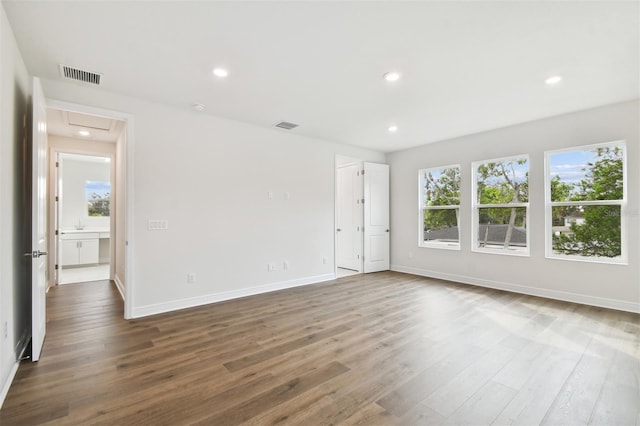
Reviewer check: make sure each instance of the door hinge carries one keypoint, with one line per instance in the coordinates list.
(363, 201)
(57, 199)
(56, 267)
(56, 232)
(57, 164)
(362, 173)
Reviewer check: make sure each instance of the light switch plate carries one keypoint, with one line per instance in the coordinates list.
(157, 225)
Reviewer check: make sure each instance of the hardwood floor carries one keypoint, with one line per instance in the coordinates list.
(385, 348)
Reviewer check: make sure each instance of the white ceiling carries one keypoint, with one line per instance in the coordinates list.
(85, 158)
(466, 66)
(69, 124)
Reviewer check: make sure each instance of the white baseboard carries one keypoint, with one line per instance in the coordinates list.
(7, 383)
(143, 311)
(582, 299)
(119, 286)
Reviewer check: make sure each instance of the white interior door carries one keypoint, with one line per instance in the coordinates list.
(38, 222)
(349, 217)
(376, 217)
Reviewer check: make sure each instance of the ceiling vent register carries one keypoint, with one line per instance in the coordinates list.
(286, 125)
(80, 75)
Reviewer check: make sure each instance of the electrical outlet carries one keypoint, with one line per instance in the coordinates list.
(271, 267)
(191, 278)
(324, 260)
(285, 265)
(5, 330)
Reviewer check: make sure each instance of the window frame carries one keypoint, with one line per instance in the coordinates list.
(422, 208)
(476, 206)
(548, 220)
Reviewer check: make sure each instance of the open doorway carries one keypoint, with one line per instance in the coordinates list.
(83, 219)
(86, 208)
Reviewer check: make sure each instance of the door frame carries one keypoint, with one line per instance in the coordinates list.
(55, 210)
(128, 119)
(56, 185)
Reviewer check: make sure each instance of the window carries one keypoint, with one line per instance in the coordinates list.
(98, 196)
(439, 207)
(501, 206)
(585, 200)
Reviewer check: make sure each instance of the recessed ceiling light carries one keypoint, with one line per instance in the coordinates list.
(220, 72)
(393, 129)
(391, 76)
(553, 80)
(198, 107)
(84, 133)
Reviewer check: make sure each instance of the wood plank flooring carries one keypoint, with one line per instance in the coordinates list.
(375, 349)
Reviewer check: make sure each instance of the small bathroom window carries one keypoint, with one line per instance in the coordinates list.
(98, 197)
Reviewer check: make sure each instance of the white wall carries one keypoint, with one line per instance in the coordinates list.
(615, 286)
(210, 178)
(15, 89)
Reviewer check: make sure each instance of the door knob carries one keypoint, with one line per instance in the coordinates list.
(36, 254)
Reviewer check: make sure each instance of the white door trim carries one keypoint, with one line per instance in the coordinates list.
(57, 208)
(57, 153)
(129, 246)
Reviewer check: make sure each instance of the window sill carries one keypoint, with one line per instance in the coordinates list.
(502, 251)
(440, 245)
(601, 260)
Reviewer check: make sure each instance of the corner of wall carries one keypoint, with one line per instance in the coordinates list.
(120, 286)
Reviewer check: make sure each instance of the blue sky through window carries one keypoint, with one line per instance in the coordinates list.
(97, 187)
(571, 166)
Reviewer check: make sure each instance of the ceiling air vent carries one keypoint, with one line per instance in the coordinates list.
(286, 125)
(80, 75)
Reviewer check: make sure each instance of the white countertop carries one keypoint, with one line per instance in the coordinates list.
(83, 231)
